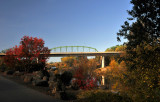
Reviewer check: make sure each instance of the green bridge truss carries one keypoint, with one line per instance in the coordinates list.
(74, 49)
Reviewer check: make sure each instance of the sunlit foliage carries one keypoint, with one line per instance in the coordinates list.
(31, 51)
(114, 74)
(142, 51)
(116, 48)
(68, 61)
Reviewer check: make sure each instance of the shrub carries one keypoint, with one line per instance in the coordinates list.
(63, 80)
(3, 67)
(102, 96)
(66, 78)
(75, 85)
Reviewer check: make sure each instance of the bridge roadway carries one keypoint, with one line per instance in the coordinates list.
(61, 54)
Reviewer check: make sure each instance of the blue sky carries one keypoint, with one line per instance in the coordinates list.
(91, 23)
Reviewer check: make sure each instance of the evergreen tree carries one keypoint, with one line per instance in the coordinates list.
(147, 25)
(143, 51)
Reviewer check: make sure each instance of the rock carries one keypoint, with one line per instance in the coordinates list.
(9, 72)
(54, 90)
(51, 84)
(38, 74)
(28, 79)
(52, 78)
(22, 77)
(68, 87)
(17, 73)
(34, 82)
(51, 73)
(37, 78)
(45, 78)
(57, 95)
(40, 83)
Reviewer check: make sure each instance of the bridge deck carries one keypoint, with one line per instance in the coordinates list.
(84, 54)
(61, 54)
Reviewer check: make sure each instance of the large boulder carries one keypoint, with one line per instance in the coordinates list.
(9, 72)
(22, 77)
(28, 79)
(38, 74)
(51, 73)
(54, 90)
(51, 84)
(52, 78)
(17, 73)
(45, 78)
(40, 83)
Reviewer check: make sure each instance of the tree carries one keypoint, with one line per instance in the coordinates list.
(146, 28)
(68, 61)
(32, 47)
(114, 48)
(2, 65)
(11, 59)
(142, 51)
(4, 51)
(84, 73)
(114, 74)
(29, 53)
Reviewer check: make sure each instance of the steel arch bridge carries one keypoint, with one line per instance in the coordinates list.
(74, 49)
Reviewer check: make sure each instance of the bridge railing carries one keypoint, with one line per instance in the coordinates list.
(74, 49)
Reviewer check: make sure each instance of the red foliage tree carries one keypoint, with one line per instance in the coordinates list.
(85, 83)
(84, 78)
(31, 51)
(11, 58)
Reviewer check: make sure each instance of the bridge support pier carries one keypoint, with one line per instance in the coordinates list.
(103, 61)
(37, 59)
(103, 65)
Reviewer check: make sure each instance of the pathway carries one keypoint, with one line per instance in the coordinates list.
(14, 92)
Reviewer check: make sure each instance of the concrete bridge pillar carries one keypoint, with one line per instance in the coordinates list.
(103, 61)
(103, 65)
(37, 59)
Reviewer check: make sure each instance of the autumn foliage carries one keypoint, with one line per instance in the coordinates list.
(84, 74)
(30, 53)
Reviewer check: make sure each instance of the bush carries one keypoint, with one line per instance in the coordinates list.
(66, 78)
(3, 67)
(74, 85)
(102, 96)
(63, 80)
